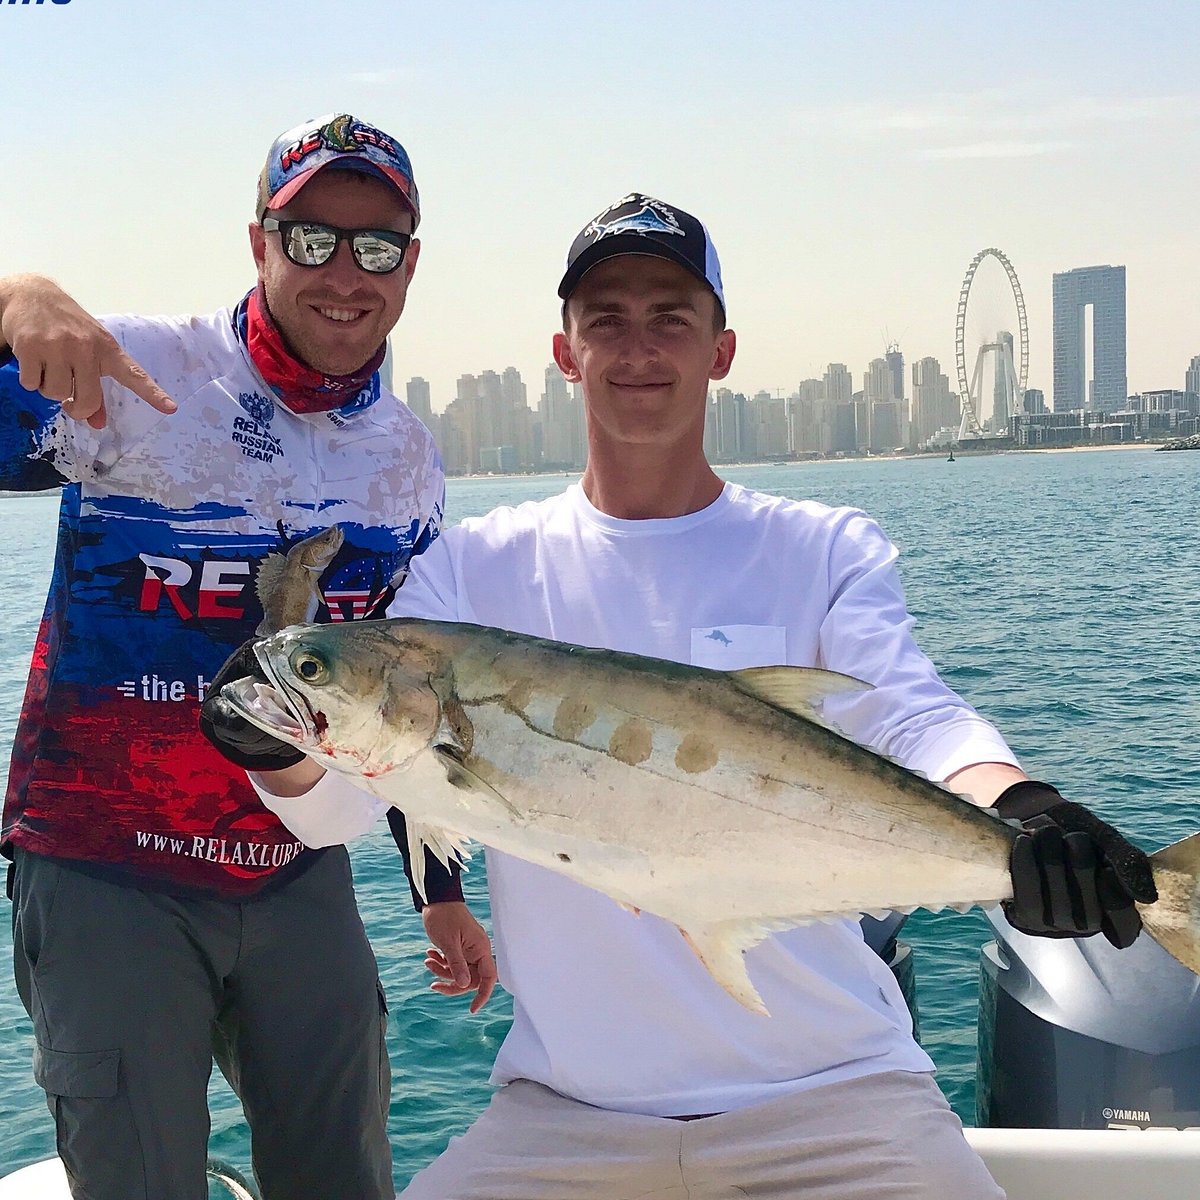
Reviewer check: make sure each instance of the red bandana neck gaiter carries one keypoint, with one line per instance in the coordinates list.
(299, 386)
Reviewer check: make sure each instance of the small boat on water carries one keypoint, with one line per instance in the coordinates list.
(1088, 1081)
(951, 458)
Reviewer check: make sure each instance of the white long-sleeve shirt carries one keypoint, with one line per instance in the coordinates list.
(614, 1009)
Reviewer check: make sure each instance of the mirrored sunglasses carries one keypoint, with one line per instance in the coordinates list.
(312, 244)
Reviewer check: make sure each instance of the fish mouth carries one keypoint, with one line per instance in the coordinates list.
(274, 707)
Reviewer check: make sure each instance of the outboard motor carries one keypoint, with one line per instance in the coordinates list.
(1074, 1034)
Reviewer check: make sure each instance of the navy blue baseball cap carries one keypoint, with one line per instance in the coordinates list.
(337, 141)
(638, 224)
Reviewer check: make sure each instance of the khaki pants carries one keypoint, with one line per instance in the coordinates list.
(890, 1136)
(132, 993)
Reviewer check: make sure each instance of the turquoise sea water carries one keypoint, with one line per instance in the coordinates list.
(1056, 591)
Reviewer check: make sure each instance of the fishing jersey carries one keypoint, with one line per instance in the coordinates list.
(164, 528)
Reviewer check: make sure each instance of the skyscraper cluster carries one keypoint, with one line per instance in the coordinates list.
(828, 416)
(490, 427)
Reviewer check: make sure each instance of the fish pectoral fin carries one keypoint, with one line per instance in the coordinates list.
(443, 845)
(459, 775)
(798, 690)
(722, 950)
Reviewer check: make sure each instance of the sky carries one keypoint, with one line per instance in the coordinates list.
(849, 159)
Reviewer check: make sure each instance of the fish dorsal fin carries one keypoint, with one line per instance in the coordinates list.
(799, 690)
(267, 579)
(446, 848)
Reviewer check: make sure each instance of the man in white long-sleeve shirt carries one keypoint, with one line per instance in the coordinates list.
(628, 1071)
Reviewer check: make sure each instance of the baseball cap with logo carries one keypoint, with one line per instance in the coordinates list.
(339, 142)
(638, 224)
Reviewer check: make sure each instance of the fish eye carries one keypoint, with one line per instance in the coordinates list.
(309, 666)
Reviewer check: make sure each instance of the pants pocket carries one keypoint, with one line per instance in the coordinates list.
(95, 1133)
(92, 1075)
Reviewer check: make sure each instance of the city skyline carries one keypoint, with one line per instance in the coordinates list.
(846, 204)
(491, 427)
(843, 386)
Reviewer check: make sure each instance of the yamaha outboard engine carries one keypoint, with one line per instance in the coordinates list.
(1074, 1034)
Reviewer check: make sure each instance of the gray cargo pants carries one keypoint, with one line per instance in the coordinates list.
(132, 993)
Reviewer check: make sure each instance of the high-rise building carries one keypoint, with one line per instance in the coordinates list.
(502, 418)
(766, 426)
(895, 361)
(839, 385)
(460, 428)
(710, 428)
(1004, 385)
(843, 413)
(730, 417)
(845, 426)
(1103, 290)
(810, 426)
(879, 384)
(492, 421)
(517, 428)
(1191, 378)
(934, 405)
(1034, 401)
(561, 414)
(885, 420)
(419, 400)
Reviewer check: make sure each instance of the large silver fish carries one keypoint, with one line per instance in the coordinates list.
(719, 801)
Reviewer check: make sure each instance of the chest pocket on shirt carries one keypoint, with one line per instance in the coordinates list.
(731, 647)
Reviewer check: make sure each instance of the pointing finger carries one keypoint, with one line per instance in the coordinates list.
(125, 371)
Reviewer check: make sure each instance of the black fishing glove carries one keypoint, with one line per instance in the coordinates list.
(1073, 875)
(243, 744)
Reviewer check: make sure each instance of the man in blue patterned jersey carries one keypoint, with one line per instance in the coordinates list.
(220, 474)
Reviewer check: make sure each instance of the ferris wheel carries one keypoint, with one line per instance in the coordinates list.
(1012, 383)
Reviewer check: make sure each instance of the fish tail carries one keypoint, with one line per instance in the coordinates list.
(1173, 921)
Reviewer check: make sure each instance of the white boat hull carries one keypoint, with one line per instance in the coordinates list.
(1030, 1164)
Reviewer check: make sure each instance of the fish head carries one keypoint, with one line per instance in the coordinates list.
(318, 551)
(348, 694)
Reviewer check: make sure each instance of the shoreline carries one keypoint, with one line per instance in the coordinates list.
(850, 458)
(763, 462)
